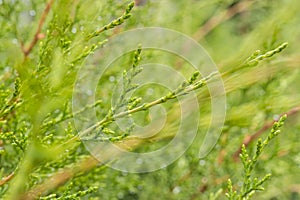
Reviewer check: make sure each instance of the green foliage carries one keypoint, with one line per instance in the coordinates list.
(43, 44)
(66, 195)
(250, 184)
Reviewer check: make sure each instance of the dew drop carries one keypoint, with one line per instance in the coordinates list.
(15, 41)
(202, 162)
(176, 190)
(74, 30)
(112, 78)
(276, 117)
(32, 13)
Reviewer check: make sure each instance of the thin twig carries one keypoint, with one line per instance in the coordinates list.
(61, 177)
(7, 178)
(250, 138)
(223, 16)
(216, 20)
(81, 166)
(38, 35)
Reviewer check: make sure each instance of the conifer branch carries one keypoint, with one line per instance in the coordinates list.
(250, 138)
(38, 35)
